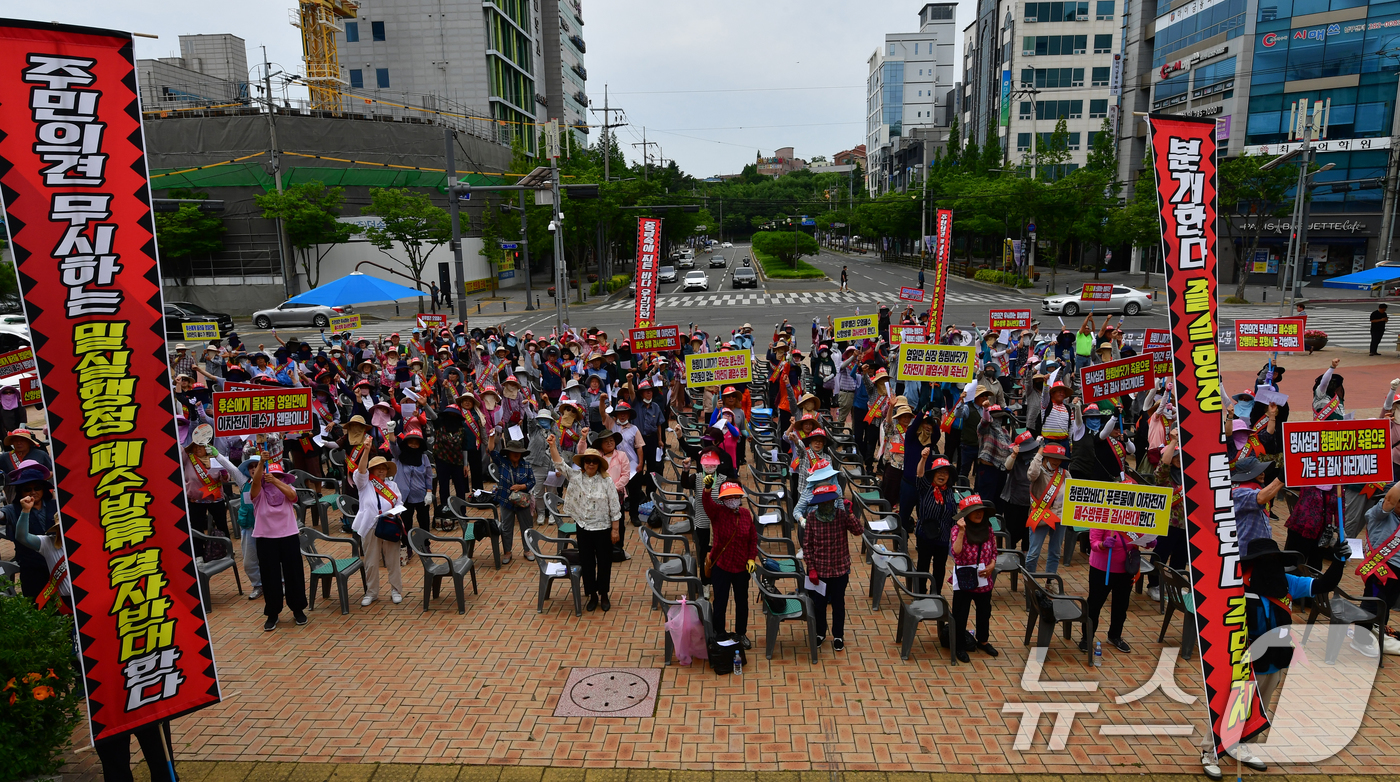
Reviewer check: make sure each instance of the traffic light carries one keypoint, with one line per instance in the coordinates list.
(580, 191)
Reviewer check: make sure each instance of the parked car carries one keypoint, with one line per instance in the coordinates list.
(666, 274)
(178, 313)
(686, 262)
(744, 277)
(296, 313)
(697, 279)
(718, 262)
(1129, 301)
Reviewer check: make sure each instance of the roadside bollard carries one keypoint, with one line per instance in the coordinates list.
(478, 308)
(503, 306)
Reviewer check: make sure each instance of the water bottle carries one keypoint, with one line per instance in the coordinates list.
(1098, 654)
(738, 664)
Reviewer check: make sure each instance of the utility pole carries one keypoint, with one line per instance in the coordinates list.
(561, 304)
(607, 133)
(525, 253)
(646, 154)
(1392, 173)
(450, 137)
(289, 280)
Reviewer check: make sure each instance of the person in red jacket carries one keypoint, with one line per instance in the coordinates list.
(828, 557)
(732, 556)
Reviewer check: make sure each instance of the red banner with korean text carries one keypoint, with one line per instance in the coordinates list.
(16, 362)
(1158, 343)
(1096, 291)
(1183, 151)
(30, 392)
(648, 261)
(1324, 453)
(655, 338)
(77, 201)
(940, 274)
(911, 294)
(1269, 335)
(264, 411)
(1008, 319)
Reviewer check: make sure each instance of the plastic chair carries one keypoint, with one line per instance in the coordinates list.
(1051, 608)
(472, 526)
(571, 572)
(681, 565)
(9, 570)
(779, 608)
(434, 571)
(1341, 609)
(881, 561)
(325, 568)
(209, 568)
(1177, 593)
(918, 607)
(702, 607)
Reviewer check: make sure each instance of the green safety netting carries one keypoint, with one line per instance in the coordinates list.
(252, 174)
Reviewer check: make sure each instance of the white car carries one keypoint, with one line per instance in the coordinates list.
(696, 279)
(727, 244)
(1129, 301)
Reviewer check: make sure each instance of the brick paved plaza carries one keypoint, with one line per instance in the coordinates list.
(429, 696)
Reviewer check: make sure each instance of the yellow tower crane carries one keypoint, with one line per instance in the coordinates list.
(320, 21)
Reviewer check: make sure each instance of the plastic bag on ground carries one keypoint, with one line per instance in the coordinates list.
(687, 632)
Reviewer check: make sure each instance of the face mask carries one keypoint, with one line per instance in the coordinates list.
(1243, 409)
(826, 511)
(1093, 424)
(732, 503)
(9, 401)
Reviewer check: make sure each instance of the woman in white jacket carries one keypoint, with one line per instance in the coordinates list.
(378, 496)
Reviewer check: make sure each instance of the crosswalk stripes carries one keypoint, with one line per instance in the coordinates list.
(1345, 328)
(761, 299)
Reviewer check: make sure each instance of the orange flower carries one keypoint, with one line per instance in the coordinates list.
(10, 685)
(51, 675)
(12, 699)
(30, 678)
(43, 693)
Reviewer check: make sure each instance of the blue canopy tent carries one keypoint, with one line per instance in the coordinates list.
(357, 288)
(1364, 280)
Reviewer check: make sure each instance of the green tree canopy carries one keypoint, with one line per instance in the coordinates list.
(413, 221)
(785, 245)
(308, 212)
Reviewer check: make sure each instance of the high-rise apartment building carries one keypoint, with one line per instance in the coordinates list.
(909, 79)
(1028, 65)
(491, 56)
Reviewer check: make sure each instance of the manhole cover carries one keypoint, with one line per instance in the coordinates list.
(610, 692)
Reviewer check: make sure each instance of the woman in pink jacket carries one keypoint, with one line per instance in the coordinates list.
(1110, 556)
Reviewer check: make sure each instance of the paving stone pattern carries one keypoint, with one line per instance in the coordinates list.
(389, 692)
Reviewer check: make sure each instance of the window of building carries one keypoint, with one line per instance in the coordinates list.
(1213, 77)
(1225, 17)
(1051, 45)
(1098, 109)
(1103, 9)
(1023, 141)
(1073, 142)
(1100, 77)
(1103, 44)
(1071, 11)
(1052, 77)
(357, 79)
(376, 30)
(1169, 91)
(1025, 112)
(1093, 134)
(381, 75)
(352, 32)
(891, 48)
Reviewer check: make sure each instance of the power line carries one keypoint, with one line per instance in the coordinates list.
(748, 89)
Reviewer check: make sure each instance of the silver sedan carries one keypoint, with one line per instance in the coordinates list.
(295, 313)
(1129, 301)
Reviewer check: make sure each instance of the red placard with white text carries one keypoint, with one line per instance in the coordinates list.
(1008, 319)
(655, 338)
(1184, 155)
(263, 411)
(16, 362)
(1116, 378)
(911, 294)
(1284, 335)
(431, 321)
(30, 392)
(1324, 453)
(1096, 291)
(902, 334)
(1156, 339)
(79, 218)
(648, 261)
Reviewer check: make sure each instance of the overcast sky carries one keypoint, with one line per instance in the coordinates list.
(698, 74)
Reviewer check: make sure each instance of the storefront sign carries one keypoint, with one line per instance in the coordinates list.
(1008, 319)
(648, 261)
(201, 332)
(263, 411)
(1321, 453)
(718, 369)
(655, 338)
(1123, 507)
(72, 175)
(1184, 153)
(345, 323)
(16, 362)
(855, 327)
(936, 363)
(1278, 334)
(911, 294)
(1342, 225)
(1115, 378)
(1096, 291)
(1323, 145)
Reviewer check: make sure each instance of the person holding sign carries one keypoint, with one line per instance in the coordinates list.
(379, 502)
(205, 471)
(1114, 559)
(1252, 500)
(828, 558)
(1329, 396)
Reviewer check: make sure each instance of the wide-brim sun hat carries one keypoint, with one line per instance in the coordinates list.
(596, 456)
(823, 474)
(1247, 469)
(380, 461)
(970, 503)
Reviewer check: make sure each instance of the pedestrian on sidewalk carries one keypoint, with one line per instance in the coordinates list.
(433, 295)
(844, 288)
(921, 278)
(1378, 321)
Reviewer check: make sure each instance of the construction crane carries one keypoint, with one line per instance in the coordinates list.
(320, 21)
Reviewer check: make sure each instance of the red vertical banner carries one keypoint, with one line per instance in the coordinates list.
(1184, 157)
(73, 179)
(648, 261)
(940, 275)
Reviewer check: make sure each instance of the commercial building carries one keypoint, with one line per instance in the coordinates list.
(488, 59)
(850, 157)
(782, 161)
(1252, 65)
(907, 87)
(211, 69)
(1027, 65)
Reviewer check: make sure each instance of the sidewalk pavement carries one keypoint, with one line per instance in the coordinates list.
(503, 301)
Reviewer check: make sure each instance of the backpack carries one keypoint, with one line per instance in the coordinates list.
(218, 548)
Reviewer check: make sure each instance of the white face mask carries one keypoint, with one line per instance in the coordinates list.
(732, 503)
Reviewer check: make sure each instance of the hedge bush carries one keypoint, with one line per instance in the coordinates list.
(1003, 278)
(40, 696)
(619, 281)
(776, 269)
